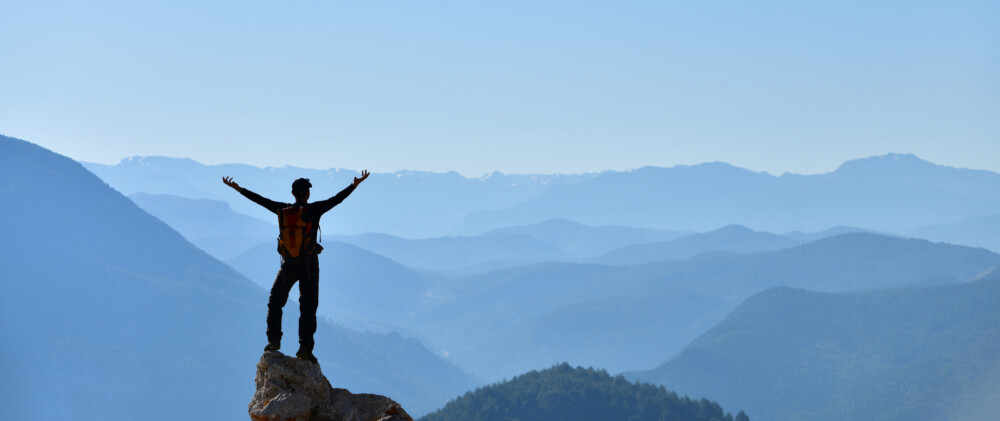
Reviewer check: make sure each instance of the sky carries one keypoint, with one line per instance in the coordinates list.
(512, 86)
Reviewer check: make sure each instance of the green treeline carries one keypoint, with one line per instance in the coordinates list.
(566, 393)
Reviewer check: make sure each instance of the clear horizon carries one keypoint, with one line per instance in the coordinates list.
(518, 87)
(509, 173)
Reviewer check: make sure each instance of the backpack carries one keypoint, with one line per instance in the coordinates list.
(298, 236)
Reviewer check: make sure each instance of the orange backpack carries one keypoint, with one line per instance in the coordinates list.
(298, 236)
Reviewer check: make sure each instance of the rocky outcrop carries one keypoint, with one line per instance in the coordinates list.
(293, 389)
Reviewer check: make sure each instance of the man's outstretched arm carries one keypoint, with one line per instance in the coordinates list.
(325, 205)
(256, 198)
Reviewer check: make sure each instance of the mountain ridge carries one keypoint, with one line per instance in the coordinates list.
(703, 196)
(563, 392)
(437, 200)
(546, 296)
(860, 192)
(927, 352)
(211, 225)
(730, 238)
(109, 312)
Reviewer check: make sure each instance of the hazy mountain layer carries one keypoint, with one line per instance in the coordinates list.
(892, 193)
(929, 353)
(209, 224)
(409, 204)
(497, 324)
(455, 253)
(624, 320)
(107, 313)
(582, 241)
(733, 238)
(829, 232)
(979, 231)
(615, 332)
(358, 288)
(554, 240)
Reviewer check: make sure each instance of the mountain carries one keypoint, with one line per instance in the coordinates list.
(582, 241)
(978, 231)
(209, 224)
(496, 324)
(410, 204)
(107, 313)
(806, 237)
(566, 393)
(909, 170)
(891, 193)
(625, 332)
(732, 238)
(455, 253)
(841, 263)
(553, 240)
(358, 288)
(929, 353)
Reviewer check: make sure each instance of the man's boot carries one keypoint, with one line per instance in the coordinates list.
(306, 355)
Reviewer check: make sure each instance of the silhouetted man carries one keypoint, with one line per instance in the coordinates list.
(298, 223)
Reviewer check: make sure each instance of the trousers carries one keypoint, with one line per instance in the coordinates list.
(306, 273)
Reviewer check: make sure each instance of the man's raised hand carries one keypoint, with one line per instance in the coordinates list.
(364, 175)
(229, 182)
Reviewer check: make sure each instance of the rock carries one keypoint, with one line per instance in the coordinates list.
(292, 389)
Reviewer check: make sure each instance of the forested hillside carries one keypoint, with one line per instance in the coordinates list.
(566, 393)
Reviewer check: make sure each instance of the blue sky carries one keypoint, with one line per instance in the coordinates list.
(519, 87)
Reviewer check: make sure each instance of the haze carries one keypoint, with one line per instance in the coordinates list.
(784, 210)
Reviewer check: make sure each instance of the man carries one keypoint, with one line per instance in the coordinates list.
(298, 247)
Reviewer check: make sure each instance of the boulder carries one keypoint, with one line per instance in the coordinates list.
(291, 389)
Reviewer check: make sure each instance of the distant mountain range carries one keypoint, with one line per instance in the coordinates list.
(979, 231)
(928, 353)
(409, 204)
(500, 323)
(733, 238)
(548, 241)
(453, 253)
(830, 232)
(581, 241)
(108, 313)
(358, 288)
(505, 274)
(891, 193)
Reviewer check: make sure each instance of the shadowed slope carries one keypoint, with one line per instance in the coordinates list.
(488, 323)
(925, 353)
(732, 238)
(209, 224)
(358, 288)
(107, 313)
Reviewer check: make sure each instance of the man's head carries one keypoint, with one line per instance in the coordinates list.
(300, 189)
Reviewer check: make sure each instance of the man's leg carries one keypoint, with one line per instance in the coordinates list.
(279, 296)
(308, 301)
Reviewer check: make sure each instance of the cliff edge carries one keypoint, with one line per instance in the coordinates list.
(290, 389)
